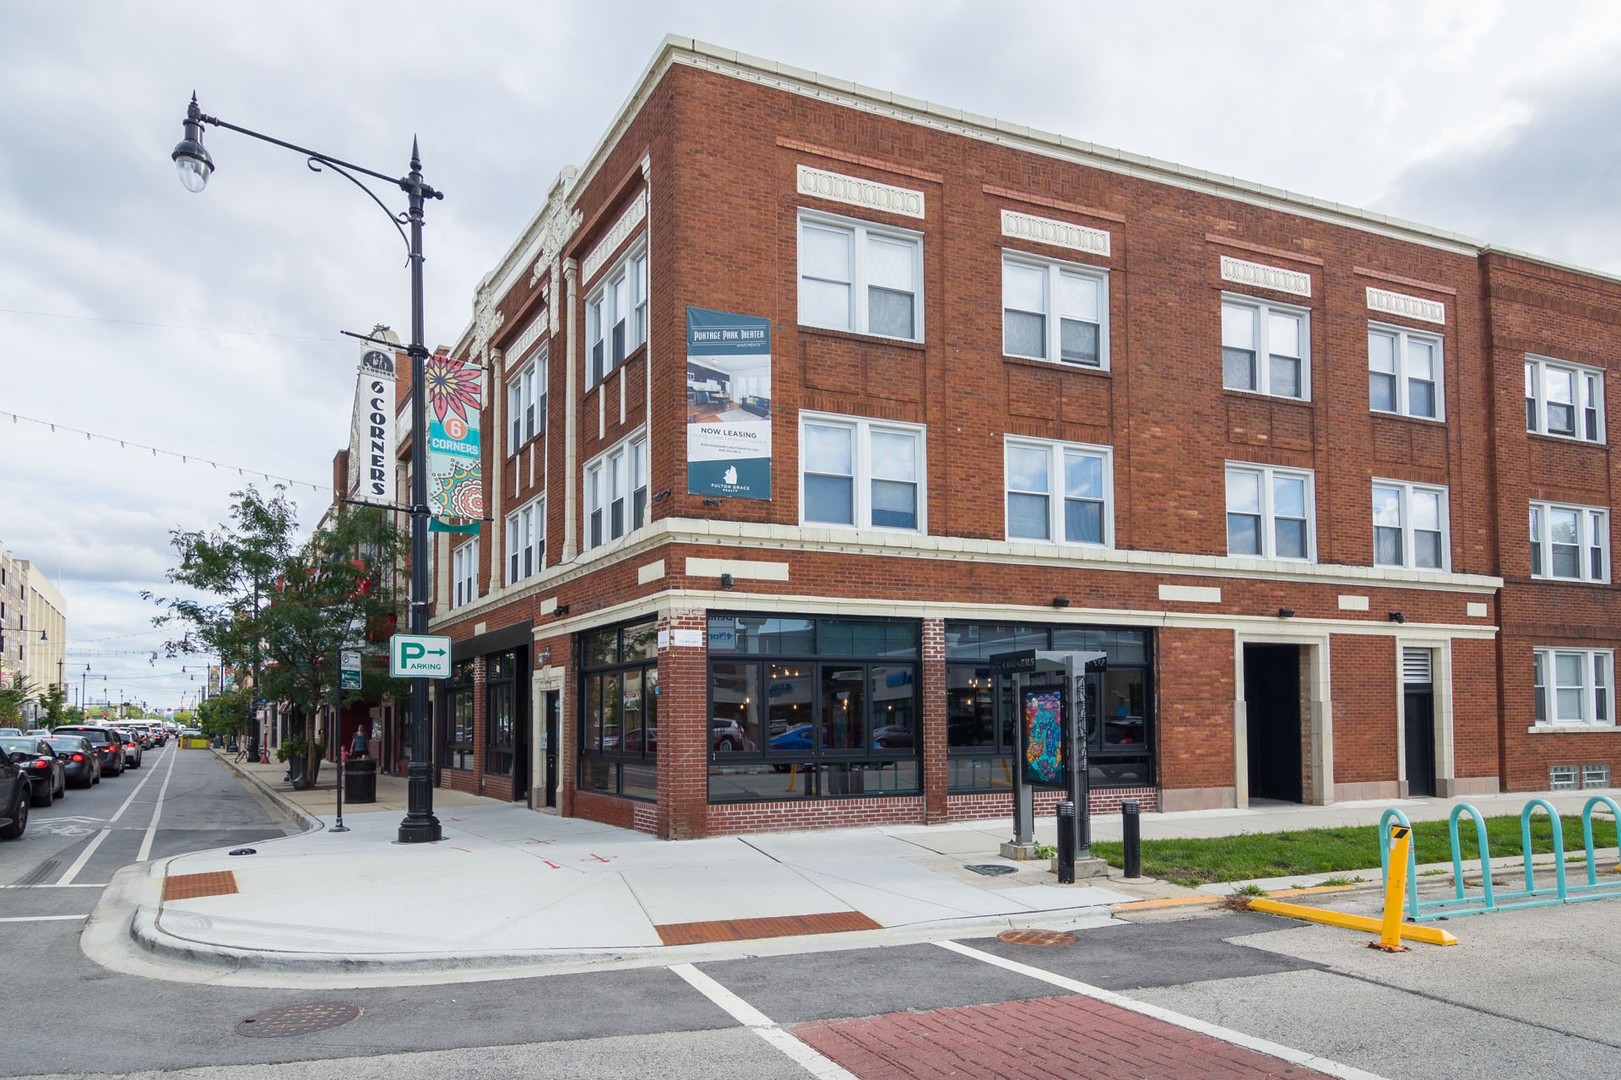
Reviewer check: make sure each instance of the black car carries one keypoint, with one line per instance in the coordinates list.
(79, 759)
(46, 777)
(109, 747)
(13, 800)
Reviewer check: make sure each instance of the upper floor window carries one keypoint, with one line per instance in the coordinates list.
(1570, 542)
(464, 573)
(526, 540)
(1563, 399)
(862, 473)
(615, 317)
(1572, 686)
(1269, 512)
(1409, 525)
(526, 402)
(1265, 348)
(1404, 372)
(616, 492)
(1059, 492)
(1051, 311)
(860, 277)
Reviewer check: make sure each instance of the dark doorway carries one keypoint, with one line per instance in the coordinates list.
(549, 747)
(1420, 723)
(1272, 705)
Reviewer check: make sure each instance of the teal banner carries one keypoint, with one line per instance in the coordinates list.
(728, 404)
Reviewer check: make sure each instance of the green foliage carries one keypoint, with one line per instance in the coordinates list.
(225, 715)
(294, 746)
(254, 595)
(1325, 851)
(13, 698)
(54, 701)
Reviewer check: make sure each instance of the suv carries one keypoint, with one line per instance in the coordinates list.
(108, 744)
(132, 747)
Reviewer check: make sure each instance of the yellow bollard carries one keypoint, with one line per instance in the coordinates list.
(1401, 842)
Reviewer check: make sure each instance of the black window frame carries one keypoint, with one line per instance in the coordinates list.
(457, 737)
(500, 724)
(611, 659)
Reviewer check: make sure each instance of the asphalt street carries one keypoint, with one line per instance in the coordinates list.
(1525, 994)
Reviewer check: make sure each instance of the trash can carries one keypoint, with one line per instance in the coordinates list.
(360, 780)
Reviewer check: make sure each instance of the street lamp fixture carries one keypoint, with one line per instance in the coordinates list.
(196, 166)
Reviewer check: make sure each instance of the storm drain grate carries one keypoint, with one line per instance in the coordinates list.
(1036, 937)
(992, 869)
(193, 886)
(298, 1019)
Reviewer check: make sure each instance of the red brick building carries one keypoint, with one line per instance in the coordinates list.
(1273, 457)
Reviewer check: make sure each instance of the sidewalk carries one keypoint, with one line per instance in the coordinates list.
(508, 887)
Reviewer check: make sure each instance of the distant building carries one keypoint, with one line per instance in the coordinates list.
(33, 627)
(808, 398)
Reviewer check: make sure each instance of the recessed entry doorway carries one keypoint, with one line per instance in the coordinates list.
(1273, 728)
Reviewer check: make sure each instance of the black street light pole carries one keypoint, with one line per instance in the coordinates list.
(195, 165)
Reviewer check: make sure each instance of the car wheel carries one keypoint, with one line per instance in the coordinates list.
(18, 824)
(50, 796)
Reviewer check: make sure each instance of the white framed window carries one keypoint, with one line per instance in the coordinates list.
(860, 277)
(1410, 525)
(1564, 400)
(867, 474)
(526, 540)
(1054, 311)
(1570, 543)
(1595, 776)
(1061, 492)
(1573, 686)
(616, 492)
(1562, 778)
(526, 401)
(1404, 372)
(1265, 348)
(464, 574)
(615, 317)
(1270, 512)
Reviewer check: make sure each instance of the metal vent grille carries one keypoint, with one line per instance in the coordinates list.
(1415, 667)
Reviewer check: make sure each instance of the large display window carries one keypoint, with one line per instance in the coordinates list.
(619, 732)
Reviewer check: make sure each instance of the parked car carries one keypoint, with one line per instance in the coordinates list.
(108, 746)
(892, 737)
(797, 737)
(80, 762)
(14, 798)
(46, 777)
(132, 747)
(4, 731)
(727, 734)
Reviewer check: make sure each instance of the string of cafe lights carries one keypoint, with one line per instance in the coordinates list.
(158, 451)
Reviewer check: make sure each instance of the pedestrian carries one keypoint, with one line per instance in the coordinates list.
(357, 749)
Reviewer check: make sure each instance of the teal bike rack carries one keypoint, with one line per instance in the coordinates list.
(1489, 898)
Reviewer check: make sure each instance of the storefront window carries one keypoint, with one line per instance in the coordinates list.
(1119, 721)
(839, 718)
(456, 718)
(501, 700)
(619, 735)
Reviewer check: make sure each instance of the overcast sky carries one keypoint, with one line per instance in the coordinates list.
(207, 325)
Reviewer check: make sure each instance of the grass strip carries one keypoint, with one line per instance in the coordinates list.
(1326, 851)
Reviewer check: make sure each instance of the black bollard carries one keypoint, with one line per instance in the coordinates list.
(1131, 835)
(1066, 842)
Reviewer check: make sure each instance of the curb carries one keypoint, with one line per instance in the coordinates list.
(290, 810)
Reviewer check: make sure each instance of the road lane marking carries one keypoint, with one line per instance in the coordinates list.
(84, 857)
(42, 918)
(157, 812)
(120, 811)
(762, 1025)
(1190, 1023)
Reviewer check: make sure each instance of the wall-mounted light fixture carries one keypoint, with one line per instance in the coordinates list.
(544, 656)
(1286, 613)
(711, 502)
(560, 610)
(1060, 601)
(1396, 617)
(727, 581)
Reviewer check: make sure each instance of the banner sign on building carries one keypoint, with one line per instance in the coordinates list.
(455, 469)
(728, 405)
(371, 431)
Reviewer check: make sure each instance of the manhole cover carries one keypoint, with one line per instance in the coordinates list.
(993, 870)
(298, 1019)
(1035, 937)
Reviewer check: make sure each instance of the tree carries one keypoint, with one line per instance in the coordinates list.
(283, 610)
(54, 701)
(13, 698)
(225, 716)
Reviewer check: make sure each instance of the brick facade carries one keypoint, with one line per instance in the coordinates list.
(701, 173)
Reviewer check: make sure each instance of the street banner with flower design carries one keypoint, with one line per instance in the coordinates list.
(455, 467)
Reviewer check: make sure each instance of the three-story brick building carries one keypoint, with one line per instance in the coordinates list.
(808, 398)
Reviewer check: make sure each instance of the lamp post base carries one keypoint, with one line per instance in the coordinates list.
(420, 825)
